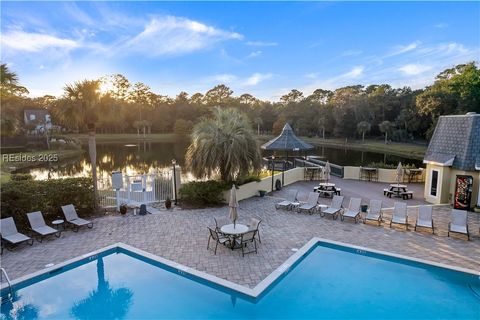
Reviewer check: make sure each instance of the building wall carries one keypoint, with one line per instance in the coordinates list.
(446, 184)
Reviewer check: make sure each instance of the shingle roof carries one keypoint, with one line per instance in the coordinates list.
(287, 141)
(456, 137)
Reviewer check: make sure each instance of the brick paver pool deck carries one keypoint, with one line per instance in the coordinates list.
(181, 236)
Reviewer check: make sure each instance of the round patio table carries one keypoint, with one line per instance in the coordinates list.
(236, 230)
(326, 185)
(57, 223)
(233, 232)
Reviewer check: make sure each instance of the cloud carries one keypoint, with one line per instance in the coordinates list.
(261, 44)
(353, 74)
(223, 78)
(256, 78)
(401, 49)
(19, 40)
(253, 54)
(441, 25)
(350, 53)
(414, 69)
(170, 35)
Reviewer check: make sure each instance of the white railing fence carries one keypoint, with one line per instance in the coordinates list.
(147, 188)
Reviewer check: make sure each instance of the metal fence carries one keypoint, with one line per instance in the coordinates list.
(335, 170)
(146, 188)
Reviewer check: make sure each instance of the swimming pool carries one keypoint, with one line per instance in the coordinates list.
(326, 281)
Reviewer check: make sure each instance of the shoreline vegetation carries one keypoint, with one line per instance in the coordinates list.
(413, 150)
(35, 159)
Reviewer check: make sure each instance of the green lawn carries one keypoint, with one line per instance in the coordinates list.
(130, 137)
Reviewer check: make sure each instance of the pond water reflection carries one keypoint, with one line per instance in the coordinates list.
(148, 157)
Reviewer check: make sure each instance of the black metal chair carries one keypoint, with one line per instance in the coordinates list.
(218, 238)
(245, 239)
(254, 225)
(220, 222)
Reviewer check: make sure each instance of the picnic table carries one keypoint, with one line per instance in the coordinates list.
(399, 191)
(327, 189)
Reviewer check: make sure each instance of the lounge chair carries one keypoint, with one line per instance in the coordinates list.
(72, 218)
(374, 212)
(287, 204)
(10, 234)
(459, 223)
(335, 207)
(218, 238)
(399, 214)
(253, 225)
(245, 239)
(311, 203)
(424, 219)
(38, 225)
(353, 210)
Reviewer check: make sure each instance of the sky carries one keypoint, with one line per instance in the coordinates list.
(262, 48)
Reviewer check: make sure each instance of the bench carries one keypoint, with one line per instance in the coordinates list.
(337, 191)
(407, 195)
(387, 193)
(326, 193)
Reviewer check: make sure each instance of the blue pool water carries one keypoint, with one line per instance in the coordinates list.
(331, 282)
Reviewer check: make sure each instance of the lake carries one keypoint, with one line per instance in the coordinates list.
(147, 157)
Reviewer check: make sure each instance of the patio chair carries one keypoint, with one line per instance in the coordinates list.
(311, 203)
(399, 214)
(374, 212)
(287, 204)
(245, 239)
(335, 207)
(218, 238)
(72, 218)
(459, 223)
(10, 234)
(38, 225)
(424, 219)
(353, 210)
(220, 222)
(253, 225)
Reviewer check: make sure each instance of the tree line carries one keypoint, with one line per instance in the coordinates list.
(115, 105)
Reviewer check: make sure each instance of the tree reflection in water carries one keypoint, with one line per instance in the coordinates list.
(13, 309)
(104, 302)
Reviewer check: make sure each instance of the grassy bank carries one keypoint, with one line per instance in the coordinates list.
(409, 150)
(33, 159)
(130, 137)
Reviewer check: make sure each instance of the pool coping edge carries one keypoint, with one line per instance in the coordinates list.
(251, 292)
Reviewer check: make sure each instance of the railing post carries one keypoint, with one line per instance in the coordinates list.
(128, 189)
(144, 187)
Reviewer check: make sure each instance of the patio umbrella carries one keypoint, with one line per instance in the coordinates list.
(233, 204)
(399, 172)
(326, 171)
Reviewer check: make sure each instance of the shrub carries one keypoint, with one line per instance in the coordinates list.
(203, 193)
(381, 165)
(23, 196)
(21, 177)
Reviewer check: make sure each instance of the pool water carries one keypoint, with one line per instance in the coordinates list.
(331, 282)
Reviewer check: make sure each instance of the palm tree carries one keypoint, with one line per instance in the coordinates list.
(322, 123)
(104, 302)
(7, 76)
(363, 127)
(386, 127)
(79, 108)
(224, 144)
(258, 121)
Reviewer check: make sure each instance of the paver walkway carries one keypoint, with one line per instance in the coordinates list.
(181, 236)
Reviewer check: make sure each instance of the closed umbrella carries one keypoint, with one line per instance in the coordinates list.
(399, 172)
(233, 204)
(326, 171)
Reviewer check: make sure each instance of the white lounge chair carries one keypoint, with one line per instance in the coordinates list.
(335, 207)
(424, 219)
(400, 214)
(38, 225)
(459, 223)
(311, 203)
(374, 212)
(72, 218)
(10, 234)
(353, 210)
(287, 204)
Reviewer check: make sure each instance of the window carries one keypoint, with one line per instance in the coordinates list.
(434, 183)
(32, 117)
